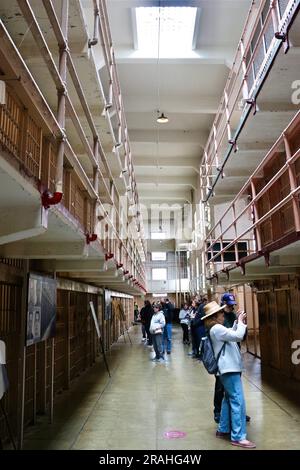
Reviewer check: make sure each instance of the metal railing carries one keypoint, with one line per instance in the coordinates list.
(271, 201)
(44, 157)
(263, 34)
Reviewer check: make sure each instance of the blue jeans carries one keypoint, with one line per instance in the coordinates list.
(167, 337)
(233, 411)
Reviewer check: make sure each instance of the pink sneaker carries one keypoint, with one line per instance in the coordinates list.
(244, 443)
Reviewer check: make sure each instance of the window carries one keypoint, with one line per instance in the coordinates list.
(173, 28)
(229, 255)
(159, 256)
(159, 274)
(158, 235)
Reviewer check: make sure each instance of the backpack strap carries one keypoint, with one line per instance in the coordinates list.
(220, 352)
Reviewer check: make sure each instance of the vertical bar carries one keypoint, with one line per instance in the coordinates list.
(35, 383)
(256, 215)
(293, 183)
(43, 372)
(21, 418)
(221, 244)
(244, 67)
(52, 342)
(61, 109)
(275, 14)
(236, 251)
(176, 275)
(21, 393)
(68, 341)
(216, 146)
(52, 381)
(245, 309)
(254, 321)
(229, 135)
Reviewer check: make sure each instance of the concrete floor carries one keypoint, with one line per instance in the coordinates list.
(143, 400)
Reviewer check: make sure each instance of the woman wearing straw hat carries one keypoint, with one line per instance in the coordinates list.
(233, 412)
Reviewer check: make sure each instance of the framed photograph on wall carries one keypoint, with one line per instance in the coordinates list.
(41, 308)
(107, 305)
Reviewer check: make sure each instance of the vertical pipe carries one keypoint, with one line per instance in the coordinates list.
(61, 110)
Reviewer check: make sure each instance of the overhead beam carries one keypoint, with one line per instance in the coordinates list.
(172, 161)
(45, 250)
(163, 195)
(174, 181)
(87, 265)
(172, 136)
(204, 56)
(173, 104)
(20, 223)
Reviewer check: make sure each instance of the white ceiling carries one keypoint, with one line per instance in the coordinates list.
(187, 90)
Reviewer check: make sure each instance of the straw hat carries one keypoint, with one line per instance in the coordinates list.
(211, 309)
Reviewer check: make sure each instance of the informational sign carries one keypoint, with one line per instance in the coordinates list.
(107, 305)
(41, 309)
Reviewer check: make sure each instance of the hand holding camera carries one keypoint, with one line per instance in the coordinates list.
(242, 316)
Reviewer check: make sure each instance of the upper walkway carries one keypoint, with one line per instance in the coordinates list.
(144, 400)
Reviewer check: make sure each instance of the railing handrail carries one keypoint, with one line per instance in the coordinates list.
(279, 173)
(254, 174)
(237, 60)
(60, 132)
(210, 156)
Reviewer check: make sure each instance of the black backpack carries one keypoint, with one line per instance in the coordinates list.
(207, 355)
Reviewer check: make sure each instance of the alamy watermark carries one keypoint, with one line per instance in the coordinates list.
(296, 354)
(296, 92)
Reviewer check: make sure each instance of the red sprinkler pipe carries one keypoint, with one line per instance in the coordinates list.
(49, 199)
(109, 256)
(91, 237)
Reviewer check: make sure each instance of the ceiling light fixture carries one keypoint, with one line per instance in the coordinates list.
(162, 119)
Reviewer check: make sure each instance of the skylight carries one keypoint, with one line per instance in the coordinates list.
(172, 28)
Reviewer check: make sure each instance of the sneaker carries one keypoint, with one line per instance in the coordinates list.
(248, 418)
(244, 443)
(155, 359)
(168, 352)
